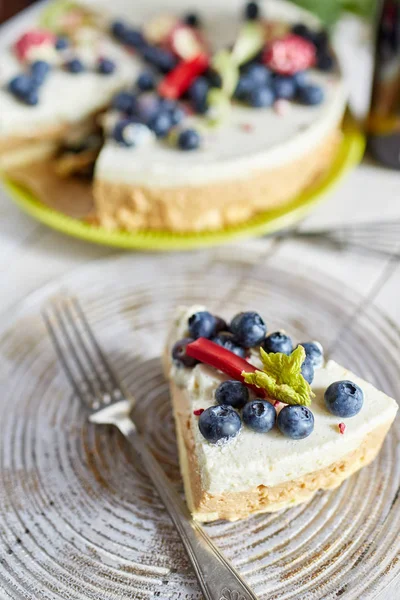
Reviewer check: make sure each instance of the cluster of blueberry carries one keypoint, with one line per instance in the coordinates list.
(160, 58)
(159, 115)
(248, 330)
(260, 87)
(222, 422)
(25, 87)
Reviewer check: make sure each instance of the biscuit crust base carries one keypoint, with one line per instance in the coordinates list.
(232, 506)
(213, 205)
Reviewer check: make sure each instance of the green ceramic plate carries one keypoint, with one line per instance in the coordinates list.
(349, 154)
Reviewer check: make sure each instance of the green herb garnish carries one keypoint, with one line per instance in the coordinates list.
(281, 377)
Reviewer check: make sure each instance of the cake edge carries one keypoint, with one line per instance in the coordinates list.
(212, 206)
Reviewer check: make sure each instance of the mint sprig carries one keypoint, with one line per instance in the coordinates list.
(281, 377)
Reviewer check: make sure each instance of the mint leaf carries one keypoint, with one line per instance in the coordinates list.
(281, 377)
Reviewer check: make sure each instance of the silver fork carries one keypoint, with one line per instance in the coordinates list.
(97, 386)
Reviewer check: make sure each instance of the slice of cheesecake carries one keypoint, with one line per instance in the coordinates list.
(246, 465)
(77, 74)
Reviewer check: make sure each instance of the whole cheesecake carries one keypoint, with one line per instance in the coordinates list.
(243, 451)
(190, 122)
(254, 159)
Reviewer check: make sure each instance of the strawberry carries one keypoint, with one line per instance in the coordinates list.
(289, 55)
(186, 42)
(32, 40)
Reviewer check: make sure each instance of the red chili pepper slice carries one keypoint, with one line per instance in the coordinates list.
(216, 356)
(179, 79)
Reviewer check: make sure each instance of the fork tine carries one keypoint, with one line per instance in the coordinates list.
(68, 341)
(96, 345)
(60, 353)
(104, 388)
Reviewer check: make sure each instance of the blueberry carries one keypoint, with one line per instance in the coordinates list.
(258, 74)
(179, 355)
(248, 329)
(284, 87)
(192, 19)
(325, 62)
(39, 71)
(226, 340)
(220, 324)
(121, 133)
(296, 422)
(62, 43)
(307, 370)
(124, 102)
(262, 97)
(118, 29)
(302, 30)
(75, 65)
(278, 342)
(145, 82)
(148, 105)
(134, 38)
(214, 78)
(244, 87)
(177, 115)
(160, 123)
(251, 11)
(234, 393)
(31, 98)
(201, 324)
(106, 66)
(300, 78)
(320, 39)
(162, 59)
(198, 94)
(310, 95)
(21, 85)
(344, 398)
(259, 415)
(314, 352)
(189, 139)
(219, 423)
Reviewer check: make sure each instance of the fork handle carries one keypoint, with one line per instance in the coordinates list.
(217, 578)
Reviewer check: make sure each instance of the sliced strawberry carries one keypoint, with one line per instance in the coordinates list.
(32, 39)
(223, 360)
(289, 55)
(186, 42)
(179, 79)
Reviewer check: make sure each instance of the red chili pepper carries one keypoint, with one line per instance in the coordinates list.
(224, 360)
(180, 79)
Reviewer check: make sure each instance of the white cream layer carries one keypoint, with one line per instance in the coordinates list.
(253, 459)
(65, 97)
(250, 140)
